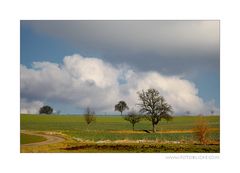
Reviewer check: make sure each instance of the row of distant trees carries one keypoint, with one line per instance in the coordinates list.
(211, 112)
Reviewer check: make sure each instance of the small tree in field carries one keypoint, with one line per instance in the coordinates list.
(133, 118)
(89, 116)
(154, 107)
(46, 110)
(121, 106)
(201, 129)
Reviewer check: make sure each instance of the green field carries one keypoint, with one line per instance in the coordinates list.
(115, 128)
(26, 139)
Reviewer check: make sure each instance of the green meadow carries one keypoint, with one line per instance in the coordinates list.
(116, 128)
(26, 139)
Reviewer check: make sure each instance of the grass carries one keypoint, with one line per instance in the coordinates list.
(113, 128)
(105, 126)
(26, 139)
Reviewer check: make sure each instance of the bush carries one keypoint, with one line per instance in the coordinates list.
(202, 129)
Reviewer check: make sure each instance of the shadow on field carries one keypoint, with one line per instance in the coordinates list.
(147, 131)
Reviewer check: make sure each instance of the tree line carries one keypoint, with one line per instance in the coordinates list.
(153, 107)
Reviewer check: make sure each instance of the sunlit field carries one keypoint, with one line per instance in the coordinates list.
(114, 134)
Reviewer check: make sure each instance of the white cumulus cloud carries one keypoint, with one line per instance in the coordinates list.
(83, 81)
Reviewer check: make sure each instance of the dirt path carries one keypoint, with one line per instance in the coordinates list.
(50, 139)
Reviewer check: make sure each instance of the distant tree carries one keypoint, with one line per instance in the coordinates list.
(121, 106)
(154, 106)
(212, 112)
(89, 116)
(201, 129)
(45, 110)
(188, 112)
(133, 118)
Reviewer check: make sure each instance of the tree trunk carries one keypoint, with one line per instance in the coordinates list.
(133, 126)
(121, 113)
(154, 128)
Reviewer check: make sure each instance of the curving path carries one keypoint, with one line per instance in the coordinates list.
(50, 139)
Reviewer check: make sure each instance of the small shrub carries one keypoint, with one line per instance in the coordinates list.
(89, 116)
(202, 129)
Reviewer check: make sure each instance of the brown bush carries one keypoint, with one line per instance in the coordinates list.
(202, 129)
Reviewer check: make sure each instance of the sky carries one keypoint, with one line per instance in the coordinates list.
(71, 65)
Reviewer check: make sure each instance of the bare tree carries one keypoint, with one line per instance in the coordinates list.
(154, 106)
(121, 106)
(133, 118)
(89, 116)
(201, 129)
